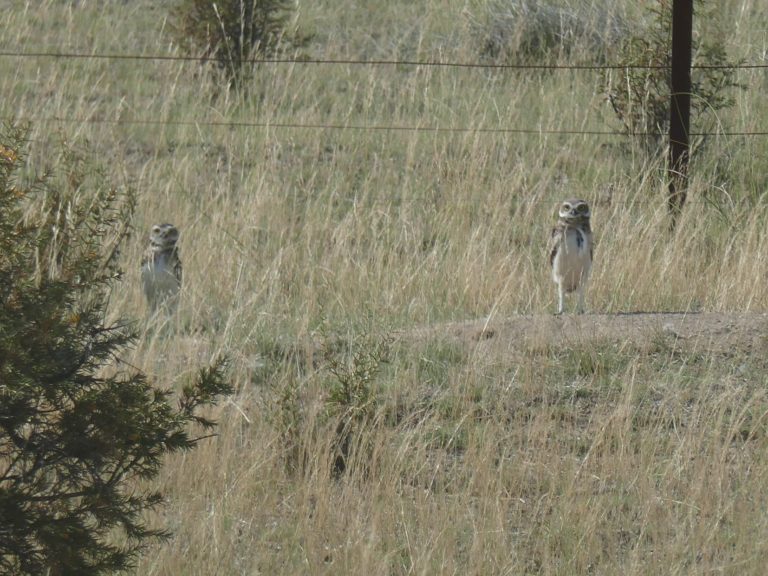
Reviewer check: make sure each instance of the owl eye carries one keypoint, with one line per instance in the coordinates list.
(566, 206)
(583, 208)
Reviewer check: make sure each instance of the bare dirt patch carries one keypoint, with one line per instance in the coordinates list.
(720, 333)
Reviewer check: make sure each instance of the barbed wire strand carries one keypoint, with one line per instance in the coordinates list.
(379, 127)
(362, 62)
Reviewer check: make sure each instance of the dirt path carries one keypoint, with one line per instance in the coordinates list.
(713, 332)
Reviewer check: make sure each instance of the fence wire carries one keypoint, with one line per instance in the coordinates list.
(7, 53)
(376, 127)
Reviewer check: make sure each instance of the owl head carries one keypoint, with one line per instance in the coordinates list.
(163, 236)
(575, 211)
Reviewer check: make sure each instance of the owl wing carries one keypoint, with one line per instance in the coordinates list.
(146, 257)
(177, 270)
(555, 238)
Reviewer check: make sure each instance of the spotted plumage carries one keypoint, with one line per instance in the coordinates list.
(571, 251)
(161, 268)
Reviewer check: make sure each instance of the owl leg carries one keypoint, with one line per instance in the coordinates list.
(581, 290)
(560, 298)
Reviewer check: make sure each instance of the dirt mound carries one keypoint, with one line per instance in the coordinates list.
(712, 332)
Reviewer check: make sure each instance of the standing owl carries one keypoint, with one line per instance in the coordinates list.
(570, 253)
(161, 268)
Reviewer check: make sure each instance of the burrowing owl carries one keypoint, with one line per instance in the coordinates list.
(571, 251)
(161, 267)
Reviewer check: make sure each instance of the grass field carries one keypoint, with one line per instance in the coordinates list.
(325, 263)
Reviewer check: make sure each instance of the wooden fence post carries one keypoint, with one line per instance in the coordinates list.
(680, 106)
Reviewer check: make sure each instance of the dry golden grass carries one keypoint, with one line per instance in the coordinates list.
(303, 246)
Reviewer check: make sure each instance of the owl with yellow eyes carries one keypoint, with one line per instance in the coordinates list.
(161, 268)
(570, 251)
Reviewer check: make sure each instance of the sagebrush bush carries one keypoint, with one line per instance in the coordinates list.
(232, 32)
(79, 433)
(640, 93)
(535, 32)
(351, 392)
